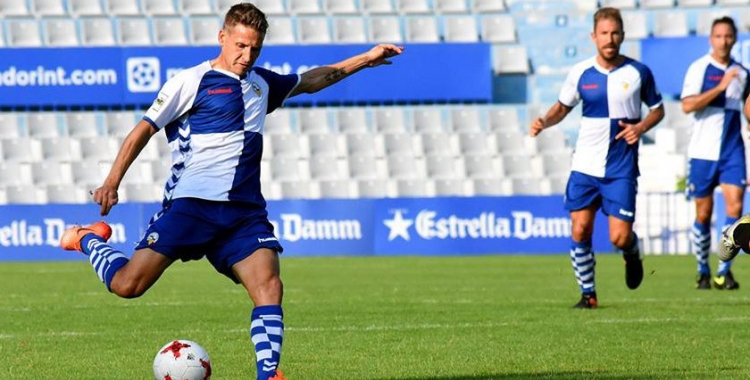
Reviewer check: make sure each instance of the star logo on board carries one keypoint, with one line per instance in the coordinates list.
(399, 227)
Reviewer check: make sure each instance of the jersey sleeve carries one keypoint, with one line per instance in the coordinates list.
(174, 100)
(649, 93)
(569, 95)
(279, 87)
(693, 81)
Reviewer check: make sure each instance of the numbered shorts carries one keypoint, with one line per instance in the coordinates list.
(224, 232)
(615, 196)
(705, 175)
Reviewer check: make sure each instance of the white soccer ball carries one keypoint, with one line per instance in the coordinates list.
(182, 360)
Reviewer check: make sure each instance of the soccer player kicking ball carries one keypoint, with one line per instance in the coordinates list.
(605, 163)
(213, 116)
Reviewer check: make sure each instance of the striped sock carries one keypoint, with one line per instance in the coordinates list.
(267, 333)
(582, 257)
(105, 259)
(700, 238)
(725, 266)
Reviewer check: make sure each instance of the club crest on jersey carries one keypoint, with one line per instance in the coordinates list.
(625, 85)
(256, 89)
(156, 106)
(152, 238)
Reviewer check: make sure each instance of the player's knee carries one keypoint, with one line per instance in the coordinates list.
(620, 239)
(581, 232)
(127, 288)
(268, 291)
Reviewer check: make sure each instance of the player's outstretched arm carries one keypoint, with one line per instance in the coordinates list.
(106, 194)
(555, 115)
(324, 76)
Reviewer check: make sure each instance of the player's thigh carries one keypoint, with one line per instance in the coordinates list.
(141, 272)
(703, 177)
(259, 274)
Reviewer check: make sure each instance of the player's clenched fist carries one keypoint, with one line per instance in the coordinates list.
(537, 126)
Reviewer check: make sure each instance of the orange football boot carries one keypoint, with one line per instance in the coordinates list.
(279, 376)
(71, 238)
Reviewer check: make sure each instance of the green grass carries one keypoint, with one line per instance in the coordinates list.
(492, 317)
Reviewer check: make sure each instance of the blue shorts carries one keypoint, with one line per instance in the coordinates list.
(705, 175)
(615, 196)
(224, 232)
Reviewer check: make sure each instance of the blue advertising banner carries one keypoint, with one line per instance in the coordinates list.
(669, 58)
(413, 226)
(133, 75)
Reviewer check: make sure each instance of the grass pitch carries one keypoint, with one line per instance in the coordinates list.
(453, 318)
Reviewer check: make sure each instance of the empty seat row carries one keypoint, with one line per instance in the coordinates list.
(203, 30)
(270, 7)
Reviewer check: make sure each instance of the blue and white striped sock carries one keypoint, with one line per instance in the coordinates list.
(105, 259)
(582, 258)
(725, 266)
(267, 333)
(700, 238)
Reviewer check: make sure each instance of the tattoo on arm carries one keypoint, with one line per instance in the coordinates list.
(335, 75)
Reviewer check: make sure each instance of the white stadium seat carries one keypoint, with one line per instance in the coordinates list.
(450, 6)
(60, 149)
(66, 194)
(488, 6)
(85, 7)
(428, 119)
(9, 126)
(385, 29)
(15, 173)
(97, 32)
(158, 7)
(340, 189)
(461, 29)
(13, 8)
(413, 6)
(389, 119)
(61, 32)
(451, 188)
(352, 120)
(373, 189)
(134, 31)
(195, 7)
(48, 7)
(409, 188)
(304, 7)
(280, 31)
(23, 33)
(340, 6)
(82, 124)
(51, 173)
(422, 29)
(498, 28)
(349, 30)
(377, 6)
(122, 7)
(25, 194)
(169, 31)
(314, 30)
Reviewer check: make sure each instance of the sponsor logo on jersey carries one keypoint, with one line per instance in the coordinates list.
(590, 86)
(220, 91)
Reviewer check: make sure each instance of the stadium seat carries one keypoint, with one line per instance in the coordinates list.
(477, 143)
(158, 7)
(670, 24)
(122, 8)
(510, 142)
(443, 167)
(401, 144)
(450, 6)
(13, 8)
(99, 149)
(507, 59)
(97, 32)
(271, 190)
(386, 29)
(488, 6)
(491, 187)
(61, 32)
(517, 166)
(645, 4)
(482, 167)
(169, 31)
(24, 150)
(44, 124)
(314, 120)
(404, 167)
(85, 7)
(556, 164)
(139, 172)
(327, 168)
(408, 188)
(451, 188)
(195, 7)
(373, 189)
(422, 29)
(428, 119)
(15, 173)
(635, 25)
(60, 149)
(503, 118)
(555, 185)
(349, 30)
(161, 171)
(695, 3)
(279, 122)
(413, 6)
(120, 123)
(705, 19)
(304, 7)
(289, 145)
(620, 4)
(440, 144)
(498, 29)
(285, 168)
(204, 30)
(362, 144)
(280, 31)
(367, 167)
(352, 120)
(551, 141)
(297, 190)
(23, 33)
(9, 126)
(389, 119)
(66, 194)
(725, 3)
(25, 194)
(329, 145)
(48, 7)
(376, 6)
(337, 189)
(340, 6)
(313, 30)
(89, 174)
(526, 186)
(51, 173)
(466, 119)
(82, 124)
(461, 29)
(134, 31)
(142, 192)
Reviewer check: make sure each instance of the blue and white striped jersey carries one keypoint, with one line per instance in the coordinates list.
(716, 128)
(214, 120)
(608, 97)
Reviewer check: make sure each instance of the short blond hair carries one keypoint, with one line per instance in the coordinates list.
(608, 13)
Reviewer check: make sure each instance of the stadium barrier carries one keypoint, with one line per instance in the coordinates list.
(396, 226)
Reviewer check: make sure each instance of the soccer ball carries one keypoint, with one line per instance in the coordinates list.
(182, 360)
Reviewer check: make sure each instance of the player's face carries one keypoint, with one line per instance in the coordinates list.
(608, 36)
(722, 40)
(240, 47)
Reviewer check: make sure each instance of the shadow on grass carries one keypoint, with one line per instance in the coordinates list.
(540, 376)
